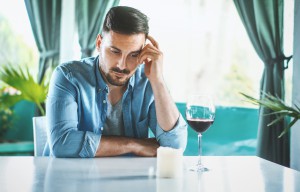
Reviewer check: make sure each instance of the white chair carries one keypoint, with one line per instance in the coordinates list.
(39, 134)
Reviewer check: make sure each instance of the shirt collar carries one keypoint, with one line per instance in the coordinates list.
(101, 85)
(131, 82)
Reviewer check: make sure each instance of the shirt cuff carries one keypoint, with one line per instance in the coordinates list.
(90, 145)
(176, 137)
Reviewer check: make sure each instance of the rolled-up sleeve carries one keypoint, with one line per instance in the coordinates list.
(176, 137)
(65, 138)
(90, 145)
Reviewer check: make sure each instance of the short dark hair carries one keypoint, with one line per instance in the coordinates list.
(125, 20)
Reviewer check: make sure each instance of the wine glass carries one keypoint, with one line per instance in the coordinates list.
(200, 115)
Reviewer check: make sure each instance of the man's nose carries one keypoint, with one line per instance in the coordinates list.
(122, 63)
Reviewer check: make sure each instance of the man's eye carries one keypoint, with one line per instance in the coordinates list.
(115, 51)
(135, 54)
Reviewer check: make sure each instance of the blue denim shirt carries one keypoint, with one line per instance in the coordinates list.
(76, 109)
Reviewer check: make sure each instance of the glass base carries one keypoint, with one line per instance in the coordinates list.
(199, 169)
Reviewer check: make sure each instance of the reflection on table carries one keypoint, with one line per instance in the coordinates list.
(230, 173)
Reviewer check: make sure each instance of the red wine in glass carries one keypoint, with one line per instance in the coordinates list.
(200, 115)
(200, 125)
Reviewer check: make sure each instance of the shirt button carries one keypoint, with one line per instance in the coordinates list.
(101, 128)
(104, 101)
(99, 90)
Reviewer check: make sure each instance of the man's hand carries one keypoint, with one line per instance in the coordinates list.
(146, 147)
(116, 145)
(153, 59)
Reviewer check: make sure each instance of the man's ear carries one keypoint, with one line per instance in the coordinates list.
(98, 42)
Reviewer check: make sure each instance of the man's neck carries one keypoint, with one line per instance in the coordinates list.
(115, 93)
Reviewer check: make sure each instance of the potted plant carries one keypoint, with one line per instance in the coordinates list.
(279, 108)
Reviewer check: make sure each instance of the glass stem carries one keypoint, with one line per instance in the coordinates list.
(199, 150)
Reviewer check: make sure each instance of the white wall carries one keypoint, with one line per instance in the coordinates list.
(295, 133)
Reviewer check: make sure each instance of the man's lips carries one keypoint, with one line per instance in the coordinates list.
(119, 74)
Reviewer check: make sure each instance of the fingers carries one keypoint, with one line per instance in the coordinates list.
(152, 40)
(149, 52)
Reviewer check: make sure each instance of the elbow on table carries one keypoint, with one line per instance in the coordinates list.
(176, 143)
(180, 145)
(81, 145)
(61, 151)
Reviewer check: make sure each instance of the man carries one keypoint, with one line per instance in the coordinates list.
(105, 105)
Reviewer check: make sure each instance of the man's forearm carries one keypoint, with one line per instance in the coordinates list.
(166, 110)
(116, 145)
(167, 113)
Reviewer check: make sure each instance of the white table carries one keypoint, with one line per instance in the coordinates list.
(230, 173)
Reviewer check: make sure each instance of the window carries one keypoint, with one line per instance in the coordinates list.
(17, 45)
(206, 48)
(288, 39)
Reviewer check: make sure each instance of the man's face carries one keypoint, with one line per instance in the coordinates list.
(118, 56)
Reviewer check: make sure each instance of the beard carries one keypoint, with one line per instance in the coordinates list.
(116, 81)
(111, 78)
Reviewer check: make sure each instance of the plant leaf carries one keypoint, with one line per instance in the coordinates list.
(276, 120)
(278, 107)
(288, 128)
(23, 81)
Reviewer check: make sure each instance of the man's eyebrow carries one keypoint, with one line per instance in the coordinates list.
(115, 48)
(137, 51)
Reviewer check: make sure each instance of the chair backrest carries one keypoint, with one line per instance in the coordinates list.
(39, 134)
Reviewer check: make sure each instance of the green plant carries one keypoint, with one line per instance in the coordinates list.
(6, 121)
(279, 108)
(27, 88)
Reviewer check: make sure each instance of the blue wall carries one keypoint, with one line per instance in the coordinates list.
(234, 132)
(22, 126)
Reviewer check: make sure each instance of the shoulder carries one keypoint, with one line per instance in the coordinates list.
(82, 66)
(78, 70)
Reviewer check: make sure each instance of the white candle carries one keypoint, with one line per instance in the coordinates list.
(169, 162)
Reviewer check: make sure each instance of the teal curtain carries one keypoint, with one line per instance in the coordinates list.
(89, 17)
(263, 20)
(45, 18)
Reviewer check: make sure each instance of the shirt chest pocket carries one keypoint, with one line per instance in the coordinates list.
(142, 128)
